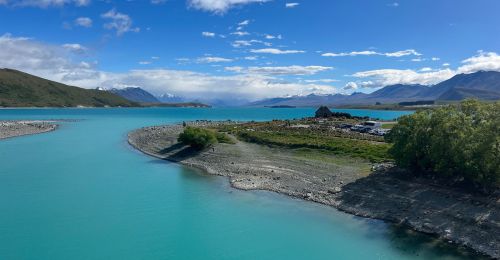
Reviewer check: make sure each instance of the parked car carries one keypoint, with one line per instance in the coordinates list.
(372, 124)
(345, 126)
(360, 128)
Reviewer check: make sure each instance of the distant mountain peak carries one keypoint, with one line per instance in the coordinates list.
(135, 94)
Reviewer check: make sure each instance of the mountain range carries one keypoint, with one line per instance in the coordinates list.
(135, 94)
(484, 85)
(19, 89)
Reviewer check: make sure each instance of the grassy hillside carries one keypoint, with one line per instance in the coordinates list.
(19, 89)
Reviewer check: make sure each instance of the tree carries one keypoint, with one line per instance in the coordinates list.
(457, 143)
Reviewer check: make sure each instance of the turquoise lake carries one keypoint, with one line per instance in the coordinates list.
(82, 192)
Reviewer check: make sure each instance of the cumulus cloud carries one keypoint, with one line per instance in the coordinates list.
(56, 63)
(371, 53)
(291, 5)
(220, 6)
(276, 51)
(350, 86)
(44, 3)
(122, 23)
(84, 22)
(386, 77)
(487, 61)
(285, 70)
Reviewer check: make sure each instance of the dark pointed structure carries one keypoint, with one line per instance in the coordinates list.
(323, 112)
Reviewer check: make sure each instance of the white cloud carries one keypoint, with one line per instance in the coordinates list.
(350, 86)
(321, 80)
(291, 5)
(271, 37)
(84, 22)
(158, 2)
(240, 33)
(244, 23)
(208, 34)
(425, 69)
(251, 57)
(220, 6)
(286, 70)
(75, 48)
(353, 53)
(210, 59)
(276, 51)
(435, 59)
(370, 53)
(53, 62)
(122, 23)
(44, 3)
(386, 77)
(246, 43)
(487, 61)
(144, 62)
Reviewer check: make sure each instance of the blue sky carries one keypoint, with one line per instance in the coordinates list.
(249, 49)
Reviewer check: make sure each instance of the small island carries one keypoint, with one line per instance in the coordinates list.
(9, 129)
(349, 163)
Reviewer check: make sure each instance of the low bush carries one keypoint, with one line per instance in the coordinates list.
(201, 138)
(198, 138)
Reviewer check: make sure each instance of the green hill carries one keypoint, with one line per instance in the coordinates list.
(19, 89)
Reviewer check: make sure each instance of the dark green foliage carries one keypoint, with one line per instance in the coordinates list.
(198, 138)
(18, 89)
(457, 143)
(224, 138)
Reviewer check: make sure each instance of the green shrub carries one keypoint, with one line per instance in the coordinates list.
(456, 143)
(373, 151)
(198, 138)
(224, 138)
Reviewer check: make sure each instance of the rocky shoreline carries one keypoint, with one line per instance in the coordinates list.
(468, 220)
(9, 129)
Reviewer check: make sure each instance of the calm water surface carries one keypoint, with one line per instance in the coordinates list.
(82, 192)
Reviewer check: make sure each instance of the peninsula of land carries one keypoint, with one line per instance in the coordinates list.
(354, 185)
(9, 129)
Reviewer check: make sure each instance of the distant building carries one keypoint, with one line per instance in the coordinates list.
(323, 112)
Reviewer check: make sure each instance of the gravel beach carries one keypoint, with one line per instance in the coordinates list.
(347, 184)
(10, 129)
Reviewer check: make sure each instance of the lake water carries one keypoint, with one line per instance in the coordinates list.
(82, 192)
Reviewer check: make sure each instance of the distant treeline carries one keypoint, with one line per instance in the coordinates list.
(417, 103)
